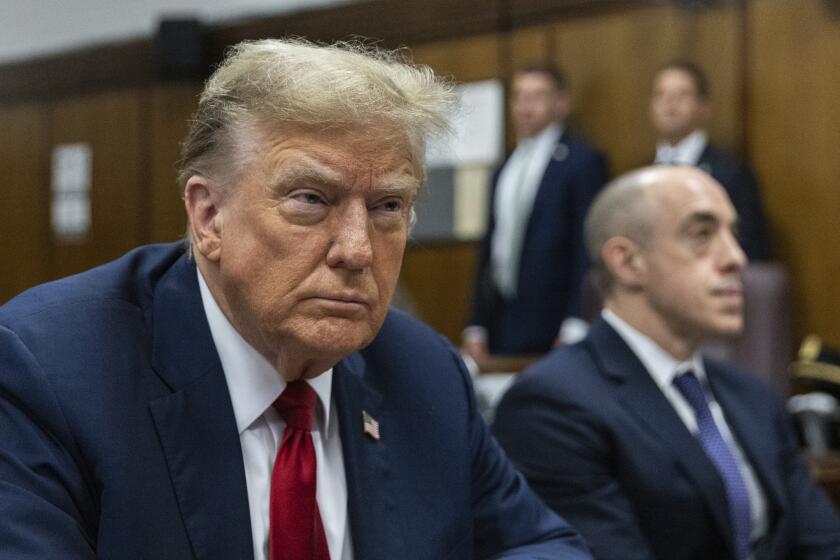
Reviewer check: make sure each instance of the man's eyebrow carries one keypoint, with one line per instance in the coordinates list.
(700, 217)
(398, 184)
(310, 173)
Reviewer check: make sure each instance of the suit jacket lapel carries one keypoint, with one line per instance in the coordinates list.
(744, 414)
(553, 178)
(643, 398)
(195, 423)
(371, 501)
(554, 172)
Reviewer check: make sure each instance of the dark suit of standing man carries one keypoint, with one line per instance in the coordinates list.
(532, 258)
(679, 110)
(650, 450)
(248, 395)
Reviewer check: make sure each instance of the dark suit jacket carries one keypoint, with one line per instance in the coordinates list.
(553, 259)
(601, 444)
(118, 439)
(743, 189)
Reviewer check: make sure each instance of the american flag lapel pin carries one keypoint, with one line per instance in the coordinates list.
(370, 426)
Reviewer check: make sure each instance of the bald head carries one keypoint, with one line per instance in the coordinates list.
(667, 257)
(629, 206)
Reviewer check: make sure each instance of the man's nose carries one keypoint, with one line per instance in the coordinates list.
(733, 255)
(351, 247)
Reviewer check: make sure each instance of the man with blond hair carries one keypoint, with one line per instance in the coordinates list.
(250, 395)
(652, 451)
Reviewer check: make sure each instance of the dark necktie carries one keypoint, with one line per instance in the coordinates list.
(723, 459)
(295, 529)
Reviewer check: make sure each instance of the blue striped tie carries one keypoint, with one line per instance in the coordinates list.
(721, 455)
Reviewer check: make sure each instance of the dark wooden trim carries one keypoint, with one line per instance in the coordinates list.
(533, 12)
(113, 66)
(391, 23)
(145, 156)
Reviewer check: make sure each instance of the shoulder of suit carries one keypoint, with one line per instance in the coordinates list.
(580, 149)
(404, 334)
(576, 142)
(736, 375)
(125, 282)
(717, 156)
(569, 370)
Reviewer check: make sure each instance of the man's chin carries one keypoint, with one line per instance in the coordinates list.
(338, 336)
(729, 328)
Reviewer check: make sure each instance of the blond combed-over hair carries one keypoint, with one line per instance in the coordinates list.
(349, 85)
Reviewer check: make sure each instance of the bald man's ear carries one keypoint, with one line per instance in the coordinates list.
(624, 261)
(202, 200)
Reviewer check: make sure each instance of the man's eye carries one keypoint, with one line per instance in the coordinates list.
(702, 234)
(309, 198)
(392, 205)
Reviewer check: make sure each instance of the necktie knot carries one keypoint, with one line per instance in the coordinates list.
(692, 390)
(296, 405)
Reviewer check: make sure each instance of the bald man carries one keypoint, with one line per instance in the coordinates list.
(650, 450)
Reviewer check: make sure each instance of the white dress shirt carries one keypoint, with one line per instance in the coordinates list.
(254, 385)
(663, 368)
(686, 152)
(518, 184)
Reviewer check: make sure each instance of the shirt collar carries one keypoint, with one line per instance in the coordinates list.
(252, 381)
(686, 152)
(546, 137)
(663, 368)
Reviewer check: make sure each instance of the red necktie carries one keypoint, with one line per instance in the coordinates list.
(295, 529)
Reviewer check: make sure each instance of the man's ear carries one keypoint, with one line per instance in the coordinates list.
(562, 105)
(625, 262)
(704, 113)
(202, 200)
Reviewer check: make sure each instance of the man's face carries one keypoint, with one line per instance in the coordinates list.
(693, 261)
(312, 240)
(676, 108)
(535, 103)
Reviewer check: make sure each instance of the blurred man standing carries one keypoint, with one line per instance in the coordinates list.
(532, 258)
(679, 111)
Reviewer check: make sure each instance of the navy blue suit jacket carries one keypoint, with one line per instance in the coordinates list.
(118, 439)
(601, 444)
(744, 191)
(553, 260)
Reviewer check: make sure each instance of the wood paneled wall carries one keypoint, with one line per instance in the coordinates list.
(111, 123)
(134, 136)
(171, 107)
(794, 140)
(24, 209)
(771, 65)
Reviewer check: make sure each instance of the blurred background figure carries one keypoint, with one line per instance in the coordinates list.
(679, 111)
(532, 258)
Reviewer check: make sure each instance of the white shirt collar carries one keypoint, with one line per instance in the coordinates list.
(663, 368)
(252, 381)
(686, 152)
(547, 137)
